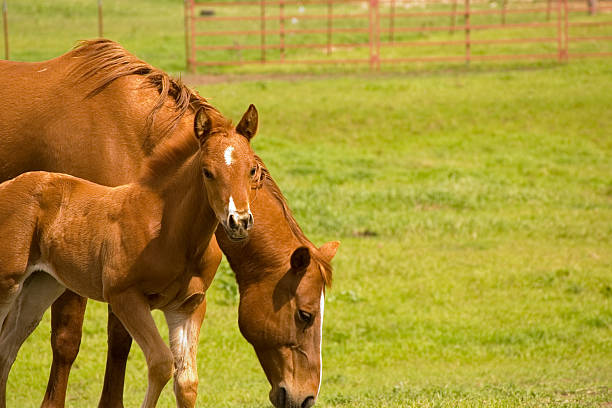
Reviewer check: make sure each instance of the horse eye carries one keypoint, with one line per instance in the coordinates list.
(207, 174)
(305, 316)
(253, 171)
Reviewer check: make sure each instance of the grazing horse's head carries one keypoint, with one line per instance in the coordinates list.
(228, 168)
(282, 317)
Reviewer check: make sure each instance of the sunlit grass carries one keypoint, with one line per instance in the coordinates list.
(474, 206)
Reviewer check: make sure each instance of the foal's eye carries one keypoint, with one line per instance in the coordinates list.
(305, 316)
(207, 174)
(253, 171)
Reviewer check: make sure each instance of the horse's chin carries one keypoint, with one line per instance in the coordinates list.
(235, 237)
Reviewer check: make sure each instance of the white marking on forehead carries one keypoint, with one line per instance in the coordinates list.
(322, 309)
(231, 207)
(228, 155)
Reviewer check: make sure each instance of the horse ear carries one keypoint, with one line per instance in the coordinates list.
(248, 124)
(300, 259)
(202, 125)
(328, 250)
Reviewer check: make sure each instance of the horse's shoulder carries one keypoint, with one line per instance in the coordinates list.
(140, 210)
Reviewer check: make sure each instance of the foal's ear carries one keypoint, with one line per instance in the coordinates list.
(328, 250)
(248, 124)
(300, 259)
(202, 125)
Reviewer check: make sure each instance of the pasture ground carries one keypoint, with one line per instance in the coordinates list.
(475, 214)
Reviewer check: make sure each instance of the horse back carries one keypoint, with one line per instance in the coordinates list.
(50, 121)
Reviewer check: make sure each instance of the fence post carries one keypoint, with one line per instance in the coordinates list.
(281, 23)
(192, 37)
(377, 34)
(187, 32)
(504, 8)
(566, 30)
(453, 17)
(5, 24)
(100, 24)
(329, 27)
(263, 30)
(392, 22)
(374, 35)
(467, 32)
(559, 35)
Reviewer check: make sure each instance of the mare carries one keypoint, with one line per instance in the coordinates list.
(96, 112)
(281, 279)
(136, 246)
(136, 107)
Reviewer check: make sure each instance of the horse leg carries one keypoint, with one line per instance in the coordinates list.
(119, 343)
(11, 285)
(184, 328)
(132, 309)
(39, 291)
(67, 314)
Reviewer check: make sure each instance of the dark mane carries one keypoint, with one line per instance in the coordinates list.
(268, 182)
(104, 61)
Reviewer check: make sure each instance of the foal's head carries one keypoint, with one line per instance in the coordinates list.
(228, 167)
(282, 318)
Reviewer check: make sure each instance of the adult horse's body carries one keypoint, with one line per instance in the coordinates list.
(123, 92)
(98, 113)
(137, 246)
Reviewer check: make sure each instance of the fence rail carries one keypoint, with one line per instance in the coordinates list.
(379, 32)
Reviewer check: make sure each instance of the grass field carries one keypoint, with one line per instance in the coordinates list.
(475, 214)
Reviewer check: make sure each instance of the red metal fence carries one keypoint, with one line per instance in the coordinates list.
(379, 32)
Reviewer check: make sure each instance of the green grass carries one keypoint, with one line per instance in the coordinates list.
(487, 276)
(475, 214)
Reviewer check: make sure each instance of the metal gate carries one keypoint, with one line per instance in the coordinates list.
(379, 32)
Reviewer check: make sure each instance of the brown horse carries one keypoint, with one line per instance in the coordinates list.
(136, 107)
(281, 277)
(136, 246)
(98, 113)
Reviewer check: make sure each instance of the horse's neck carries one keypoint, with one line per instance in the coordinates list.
(188, 222)
(269, 246)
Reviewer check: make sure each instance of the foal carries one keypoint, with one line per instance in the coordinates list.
(136, 246)
(282, 277)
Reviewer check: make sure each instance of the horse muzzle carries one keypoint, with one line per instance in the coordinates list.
(281, 398)
(237, 225)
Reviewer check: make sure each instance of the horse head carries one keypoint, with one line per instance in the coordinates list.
(228, 167)
(285, 329)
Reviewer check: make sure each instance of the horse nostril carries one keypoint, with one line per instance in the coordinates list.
(250, 222)
(282, 397)
(308, 402)
(245, 222)
(232, 222)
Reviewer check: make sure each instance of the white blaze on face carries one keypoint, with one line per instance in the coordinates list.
(231, 207)
(228, 155)
(321, 342)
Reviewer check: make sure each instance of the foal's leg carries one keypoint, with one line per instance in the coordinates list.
(184, 325)
(119, 343)
(184, 331)
(132, 308)
(39, 291)
(67, 315)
